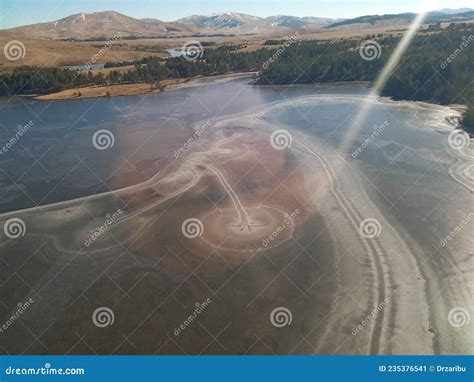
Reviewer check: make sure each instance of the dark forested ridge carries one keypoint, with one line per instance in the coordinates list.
(33, 80)
(437, 67)
(431, 17)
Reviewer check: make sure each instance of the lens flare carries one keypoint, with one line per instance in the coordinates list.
(382, 80)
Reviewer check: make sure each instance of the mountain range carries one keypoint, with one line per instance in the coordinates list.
(86, 26)
(444, 15)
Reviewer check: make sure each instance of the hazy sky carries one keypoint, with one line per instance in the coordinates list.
(21, 12)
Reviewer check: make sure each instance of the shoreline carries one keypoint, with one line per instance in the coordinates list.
(386, 100)
(117, 90)
(108, 91)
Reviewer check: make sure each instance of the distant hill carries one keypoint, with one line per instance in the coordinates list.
(449, 11)
(242, 23)
(445, 15)
(299, 22)
(85, 26)
(99, 24)
(102, 25)
(223, 21)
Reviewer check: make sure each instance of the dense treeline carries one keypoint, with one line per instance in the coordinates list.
(30, 80)
(437, 67)
(423, 73)
(33, 80)
(468, 118)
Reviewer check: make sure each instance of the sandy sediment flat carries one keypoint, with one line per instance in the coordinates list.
(249, 226)
(108, 91)
(133, 89)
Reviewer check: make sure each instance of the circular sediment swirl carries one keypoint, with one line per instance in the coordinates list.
(261, 228)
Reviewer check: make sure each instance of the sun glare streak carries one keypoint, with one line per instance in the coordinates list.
(382, 80)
